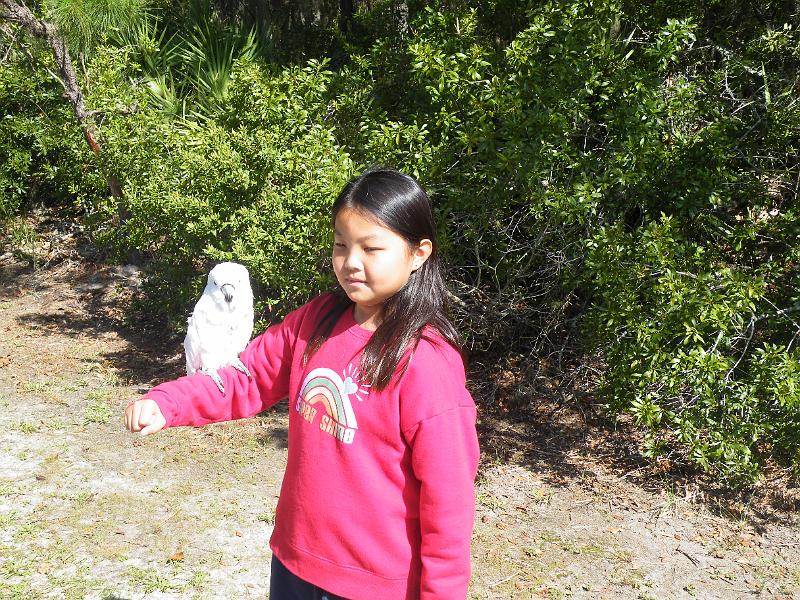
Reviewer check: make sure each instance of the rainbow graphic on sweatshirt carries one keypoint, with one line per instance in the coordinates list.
(324, 390)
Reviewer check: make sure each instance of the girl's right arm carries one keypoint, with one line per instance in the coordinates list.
(196, 400)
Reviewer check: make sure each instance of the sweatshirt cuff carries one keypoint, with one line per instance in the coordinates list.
(167, 406)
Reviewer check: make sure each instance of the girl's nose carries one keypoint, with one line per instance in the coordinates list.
(352, 262)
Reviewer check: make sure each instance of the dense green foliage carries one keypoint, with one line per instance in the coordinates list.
(253, 184)
(42, 152)
(613, 181)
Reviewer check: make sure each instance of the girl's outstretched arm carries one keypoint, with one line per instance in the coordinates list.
(195, 399)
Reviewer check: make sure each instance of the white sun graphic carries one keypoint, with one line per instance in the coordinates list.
(352, 385)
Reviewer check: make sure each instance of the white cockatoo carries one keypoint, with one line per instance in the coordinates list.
(221, 324)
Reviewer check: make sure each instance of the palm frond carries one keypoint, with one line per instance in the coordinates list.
(192, 67)
(157, 52)
(209, 52)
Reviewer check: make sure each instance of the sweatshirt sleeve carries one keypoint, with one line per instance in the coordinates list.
(444, 456)
(195, 399)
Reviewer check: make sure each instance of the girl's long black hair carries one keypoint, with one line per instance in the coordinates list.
(398, 202)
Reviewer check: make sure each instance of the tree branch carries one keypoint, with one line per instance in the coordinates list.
(15, 12)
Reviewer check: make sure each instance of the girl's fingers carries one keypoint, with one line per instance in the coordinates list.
(133, 415)
(129, 416)
(137, 416)
(155, 423)
(144, 416)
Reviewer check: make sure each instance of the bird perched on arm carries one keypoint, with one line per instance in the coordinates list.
(221, 324)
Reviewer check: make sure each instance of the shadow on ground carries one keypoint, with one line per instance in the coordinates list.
(572, 444)
(87, 300)
(275, 433)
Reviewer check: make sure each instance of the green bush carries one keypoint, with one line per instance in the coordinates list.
(683, 338)
(611, 179)
(625, 170)
(42, 152)
(252, 185)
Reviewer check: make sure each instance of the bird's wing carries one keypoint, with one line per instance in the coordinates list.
(243, 331)
(209, 340)
(191, 346)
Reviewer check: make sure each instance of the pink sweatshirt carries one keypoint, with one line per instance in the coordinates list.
(378, 498)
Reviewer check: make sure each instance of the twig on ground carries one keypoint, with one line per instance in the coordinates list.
(690, 557)
(502, 581)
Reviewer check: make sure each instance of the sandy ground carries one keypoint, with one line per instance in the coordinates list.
(90, 511)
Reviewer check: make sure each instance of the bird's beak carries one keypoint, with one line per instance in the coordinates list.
(227, 291)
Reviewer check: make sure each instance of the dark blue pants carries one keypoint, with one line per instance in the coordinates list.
(285, 585)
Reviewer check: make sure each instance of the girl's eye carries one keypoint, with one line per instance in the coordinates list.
(372, 249)
(338, 245)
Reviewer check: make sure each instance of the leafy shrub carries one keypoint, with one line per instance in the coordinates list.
(684, 345)
(252, 185)
(611, 179)
(42, 152)
(603, 165)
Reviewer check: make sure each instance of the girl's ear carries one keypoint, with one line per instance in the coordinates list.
(422, 253)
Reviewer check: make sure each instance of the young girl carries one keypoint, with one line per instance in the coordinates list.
(377, 501)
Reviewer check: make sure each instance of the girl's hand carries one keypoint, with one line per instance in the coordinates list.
(144, 416)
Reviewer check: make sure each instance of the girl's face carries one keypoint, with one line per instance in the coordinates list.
(372, 263)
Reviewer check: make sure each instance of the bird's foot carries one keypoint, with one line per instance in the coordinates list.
(239, 366)
(215, 377)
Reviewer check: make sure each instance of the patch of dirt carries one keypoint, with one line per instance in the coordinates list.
(565, 509)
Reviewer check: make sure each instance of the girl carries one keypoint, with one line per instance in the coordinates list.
(377, 500)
